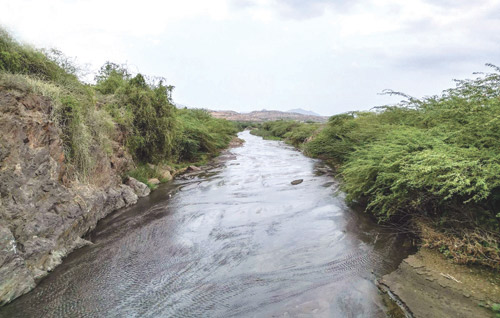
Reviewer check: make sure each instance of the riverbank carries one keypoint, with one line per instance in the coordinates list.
(235, 240)
(68, 149)
(428, 285)
(45, 209)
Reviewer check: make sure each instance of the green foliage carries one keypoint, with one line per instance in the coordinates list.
(444, 156)
(242, 125)
(137, 111)
(299, 134)
(143, 172)
(291, 131)
(22, 59)
(496, 309)
(110, 77)
(437, 157)
(200, 133)
(153, 119)
(265, 134)
(154, 129)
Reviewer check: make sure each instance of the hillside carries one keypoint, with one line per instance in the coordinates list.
(266, 115)
(303, 112)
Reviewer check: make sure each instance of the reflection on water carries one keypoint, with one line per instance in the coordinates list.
(236, 241)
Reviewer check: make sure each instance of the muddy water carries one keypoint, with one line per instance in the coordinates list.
(236, 241)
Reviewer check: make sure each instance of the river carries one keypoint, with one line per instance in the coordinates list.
(236, 240)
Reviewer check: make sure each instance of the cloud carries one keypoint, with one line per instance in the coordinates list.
(330, 56)
(295, 9)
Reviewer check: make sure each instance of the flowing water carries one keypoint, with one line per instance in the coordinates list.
(237, 240)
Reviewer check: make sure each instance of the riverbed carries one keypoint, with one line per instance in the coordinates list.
(235, 240)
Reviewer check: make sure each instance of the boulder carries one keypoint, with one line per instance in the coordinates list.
(193, 168)
(298, 181)
(166, 175)
(168, 168)
(154, 181)
(140, 189)
(128, 194)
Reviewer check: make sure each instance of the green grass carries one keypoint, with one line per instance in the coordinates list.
(136, 110)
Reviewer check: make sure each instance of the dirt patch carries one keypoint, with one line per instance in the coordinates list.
(236, 142)
(428, 285)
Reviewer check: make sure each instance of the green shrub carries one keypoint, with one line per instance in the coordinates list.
(143, 172)
(436, 158)
(299, 134)
(289, 130)
(153, 123)
(22, 59)
(111, 77)
(200, 133)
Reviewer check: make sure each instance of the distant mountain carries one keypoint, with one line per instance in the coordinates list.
(303, 112)
(267, 115)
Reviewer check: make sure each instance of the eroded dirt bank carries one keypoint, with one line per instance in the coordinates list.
(428, 285)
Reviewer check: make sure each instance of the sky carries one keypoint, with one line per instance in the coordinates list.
(328, 56)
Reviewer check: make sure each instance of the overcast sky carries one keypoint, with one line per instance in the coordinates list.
(329, 56)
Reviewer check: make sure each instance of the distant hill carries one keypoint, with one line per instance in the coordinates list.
(266, 115)
(303, 112)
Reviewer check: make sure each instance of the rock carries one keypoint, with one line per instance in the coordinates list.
(15, 278)
(44, 208)
(193, 168)
(154, 181)
(178, 172)
(421, 287)
(169, 168)
(298, 181)
(166, 175)
(151, 166)
(128, 195)
(140, 189)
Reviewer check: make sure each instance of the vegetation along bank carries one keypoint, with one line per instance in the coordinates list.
(68, 150)
(431, 166)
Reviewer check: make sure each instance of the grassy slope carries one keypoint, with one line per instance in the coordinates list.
(135, 111)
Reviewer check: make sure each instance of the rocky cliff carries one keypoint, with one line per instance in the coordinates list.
(44, 208)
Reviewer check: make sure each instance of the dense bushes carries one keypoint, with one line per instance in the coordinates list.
(201, 134)
(153, 125)
(46, 65)
(436, 159)
(133, 110)
(292, 131)
(155, 130)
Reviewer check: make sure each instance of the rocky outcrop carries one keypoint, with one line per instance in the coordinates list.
(428, 285)
(44, 212)
(140, 189)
